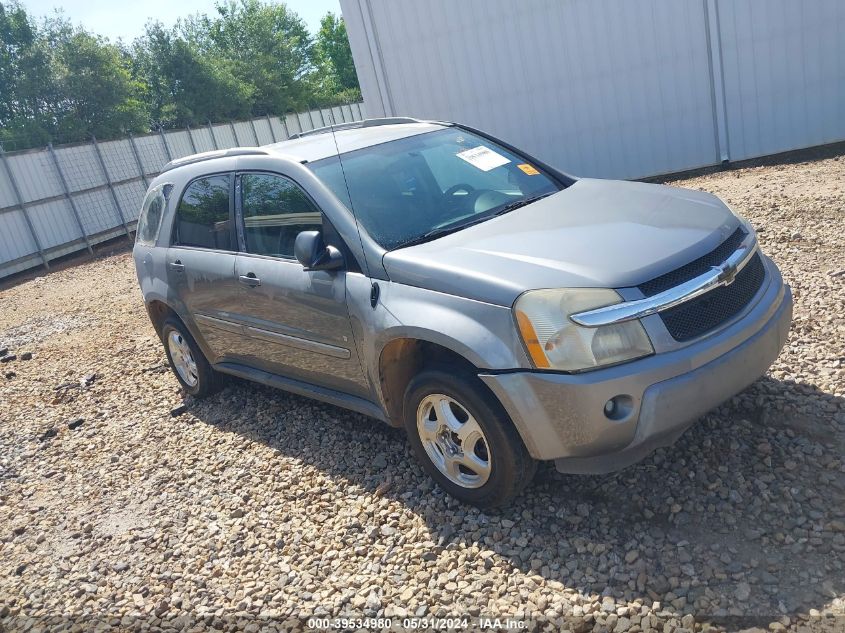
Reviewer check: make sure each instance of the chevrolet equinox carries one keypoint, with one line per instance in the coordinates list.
(434, 277)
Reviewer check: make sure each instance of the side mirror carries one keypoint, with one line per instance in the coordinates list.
(313, 254)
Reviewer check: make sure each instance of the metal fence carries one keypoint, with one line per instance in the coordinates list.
(60, 200)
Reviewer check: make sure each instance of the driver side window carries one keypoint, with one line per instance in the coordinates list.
(275, 211)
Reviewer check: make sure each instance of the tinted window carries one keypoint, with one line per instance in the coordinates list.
(404, 189)
(202, 218)
(275, 211)
(151, 213)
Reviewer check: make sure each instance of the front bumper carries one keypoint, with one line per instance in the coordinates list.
(561, 416)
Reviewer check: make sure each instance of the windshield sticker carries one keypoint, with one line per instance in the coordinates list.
(483, 158)
(528, 169)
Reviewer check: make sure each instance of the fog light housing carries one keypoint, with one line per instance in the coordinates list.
(619, 407)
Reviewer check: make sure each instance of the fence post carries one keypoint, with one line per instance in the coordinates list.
(111, 187)
(23, 208)
(272, 131)
(138, 160)
(234, 133)
(284, 120)
(164, 142)
(69, 198)
(311, 118)
(213, 138)
(254, 132)
(191, 138)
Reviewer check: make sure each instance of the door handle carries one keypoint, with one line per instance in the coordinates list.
(177, 266)
(250, 280)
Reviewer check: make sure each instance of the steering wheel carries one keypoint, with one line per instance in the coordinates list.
(463, 204)
(451, 191)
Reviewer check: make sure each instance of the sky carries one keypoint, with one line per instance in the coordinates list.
(126, 20)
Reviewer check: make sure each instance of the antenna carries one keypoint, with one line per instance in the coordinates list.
(349, 193)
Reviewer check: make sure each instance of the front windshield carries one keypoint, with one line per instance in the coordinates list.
(417, 187)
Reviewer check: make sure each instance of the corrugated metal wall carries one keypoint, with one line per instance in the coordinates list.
(784, 72)
(60, 200)
(611, 88)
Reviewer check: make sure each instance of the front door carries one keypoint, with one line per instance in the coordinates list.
(296, 323)
(201, 264)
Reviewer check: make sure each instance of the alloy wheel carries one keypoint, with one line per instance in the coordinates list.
(454, 441)
(183, 358)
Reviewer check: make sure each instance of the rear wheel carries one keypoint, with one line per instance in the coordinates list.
(187, 360)
(464, 439)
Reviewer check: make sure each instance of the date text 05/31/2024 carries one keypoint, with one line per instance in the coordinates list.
(414, 623)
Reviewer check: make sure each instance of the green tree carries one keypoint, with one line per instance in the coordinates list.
(26, 91)
(62, 83)
(247, 60)
(268, 46)
(97, 94)
(186, 85)
(334, 57)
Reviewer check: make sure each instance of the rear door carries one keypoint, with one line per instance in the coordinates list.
(201, 262)
(296, 323)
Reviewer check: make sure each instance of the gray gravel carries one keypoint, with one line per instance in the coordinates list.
(258, 508)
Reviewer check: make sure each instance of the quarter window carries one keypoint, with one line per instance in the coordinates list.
(275, 211)
(151, 213)
(202, 219)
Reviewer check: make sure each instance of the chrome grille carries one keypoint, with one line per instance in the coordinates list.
(695, 267)
(702, 314)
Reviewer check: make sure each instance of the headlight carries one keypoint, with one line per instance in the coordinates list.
(554, 341)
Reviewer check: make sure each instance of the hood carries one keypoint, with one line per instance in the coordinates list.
(595, 233)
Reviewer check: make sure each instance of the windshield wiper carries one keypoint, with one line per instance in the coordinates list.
(446, 230)
(440, 232)
(516, 204)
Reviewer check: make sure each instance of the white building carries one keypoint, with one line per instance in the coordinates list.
(612, 88)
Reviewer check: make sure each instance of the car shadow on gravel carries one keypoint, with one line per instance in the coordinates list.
(743, 517)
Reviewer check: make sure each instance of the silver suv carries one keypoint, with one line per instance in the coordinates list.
(433, 277)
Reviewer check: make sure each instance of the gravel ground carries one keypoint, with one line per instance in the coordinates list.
(260, 509)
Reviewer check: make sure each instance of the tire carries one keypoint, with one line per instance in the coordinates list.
(475, 454)
(199, 379)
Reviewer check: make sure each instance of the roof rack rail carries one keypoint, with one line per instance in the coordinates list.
(217, 153)
(353, 125)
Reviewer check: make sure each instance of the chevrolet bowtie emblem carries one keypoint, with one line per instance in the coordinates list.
(727, 273)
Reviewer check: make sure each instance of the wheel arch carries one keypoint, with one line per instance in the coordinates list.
(160, 309)
(403, 357)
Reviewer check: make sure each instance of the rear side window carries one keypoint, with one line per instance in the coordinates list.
(152, 212)
(275, 211)
(203, 218)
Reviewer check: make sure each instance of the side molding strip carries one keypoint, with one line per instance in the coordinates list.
(220, 324)
(299, 343)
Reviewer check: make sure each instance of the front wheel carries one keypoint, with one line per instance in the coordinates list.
(465, 440)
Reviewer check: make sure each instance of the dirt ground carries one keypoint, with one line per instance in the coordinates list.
(258, 509)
